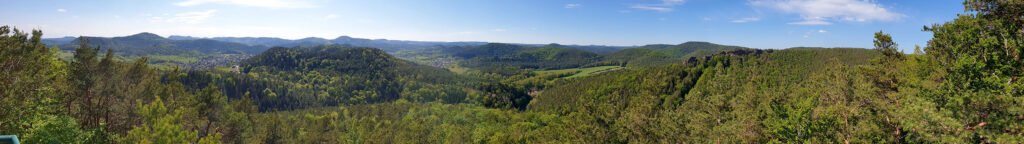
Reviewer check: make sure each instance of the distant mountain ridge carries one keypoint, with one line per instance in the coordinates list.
(691, 49)
(660, 54)
(264, 43)
(151, 44)
(58, 41)
(501, 56)
(148, 43)
(383, 44)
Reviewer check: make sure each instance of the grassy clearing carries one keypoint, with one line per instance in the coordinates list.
(173, 58)
(583, 71)
(457, 69)
(153, 59)
(224, 69)
(64, 55)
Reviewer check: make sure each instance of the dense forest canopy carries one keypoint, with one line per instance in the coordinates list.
(963, 87)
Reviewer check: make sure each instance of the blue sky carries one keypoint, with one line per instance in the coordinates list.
(750, 23)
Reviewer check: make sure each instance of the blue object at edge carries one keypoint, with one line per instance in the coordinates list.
(13, 139)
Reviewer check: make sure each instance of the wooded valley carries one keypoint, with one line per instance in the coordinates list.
(963, 87)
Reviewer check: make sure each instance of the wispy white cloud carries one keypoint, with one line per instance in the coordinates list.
(814, 33)
(664, 6)
(572, 5)
(744, 20)
(466, 33)
(62, 10)
(653, 8)
(499, 30)
(819, 12)
(672, 2)
(186, 18)
(274, 4)
(331, 16)
(812, 21)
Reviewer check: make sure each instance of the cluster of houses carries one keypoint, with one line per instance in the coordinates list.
(441, 62)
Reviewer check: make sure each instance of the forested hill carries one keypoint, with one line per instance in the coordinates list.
(58, 41)
(343, 60)
(728, 98)
(555, 57)
(143, 44)
(661, 54)
(505, 59)
(691, 49)
(639, 57)
(149, 44)
(495, 55)
(598, 49)
(676, 80)
(139, 44)
(301, 77)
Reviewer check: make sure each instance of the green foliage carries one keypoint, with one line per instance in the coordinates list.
(504, 96)
(164, 126)
(692, 49)
(160, 125)
(57, 129)
(405, 122)
(972, 92)
(98, 99)
(303, 77)
(499, 61)
(32, 88)
(582, 72)
(520, 57)
(489, 50)
(733, 99)
(638, 57)
(963, 87)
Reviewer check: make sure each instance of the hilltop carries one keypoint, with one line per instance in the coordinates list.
(151, 44)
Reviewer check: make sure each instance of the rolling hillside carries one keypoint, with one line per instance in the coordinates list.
(300, 77)
(383, 44)
(143, 44)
